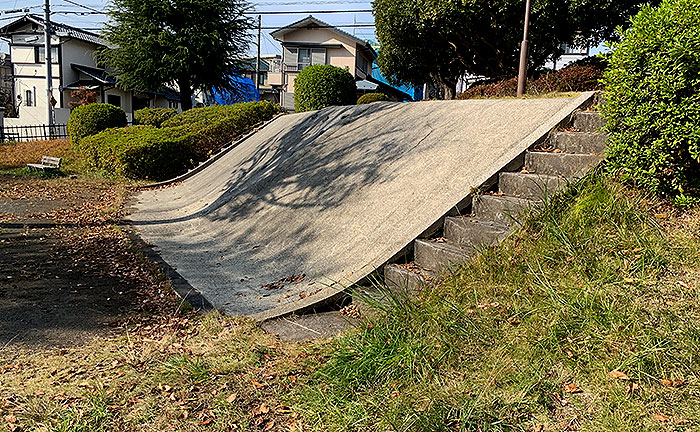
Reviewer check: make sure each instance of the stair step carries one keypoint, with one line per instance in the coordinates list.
(588, 121)
(439, 257)
(560, 164)
(530, 186)
(500, 209)
(406, 280)
(579, 142)
(473, 232)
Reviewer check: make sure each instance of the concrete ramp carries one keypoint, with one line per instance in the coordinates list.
(315, 202)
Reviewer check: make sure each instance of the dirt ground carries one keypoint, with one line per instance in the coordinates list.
(68, 271)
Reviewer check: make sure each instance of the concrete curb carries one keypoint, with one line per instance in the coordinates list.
(338, 290)
(211, 160)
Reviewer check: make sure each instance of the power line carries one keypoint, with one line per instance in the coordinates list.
(318, 12)
(82, 6)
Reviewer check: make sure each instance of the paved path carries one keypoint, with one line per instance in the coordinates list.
(317, 201)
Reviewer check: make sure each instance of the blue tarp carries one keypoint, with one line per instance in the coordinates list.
(246, 92)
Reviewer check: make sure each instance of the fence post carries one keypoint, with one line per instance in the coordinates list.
(2, 124)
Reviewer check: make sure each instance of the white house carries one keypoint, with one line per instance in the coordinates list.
(74, 67)
(311, 41)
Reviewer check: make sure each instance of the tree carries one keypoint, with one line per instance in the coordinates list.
(440, 40)
(191, 43)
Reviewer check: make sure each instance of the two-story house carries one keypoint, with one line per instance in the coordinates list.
(311, 41)
(74, 67)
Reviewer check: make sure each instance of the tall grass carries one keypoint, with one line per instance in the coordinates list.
(588, 286)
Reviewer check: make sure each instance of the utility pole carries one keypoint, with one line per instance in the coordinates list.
(47, 50)
(524, 52)
(257, 65)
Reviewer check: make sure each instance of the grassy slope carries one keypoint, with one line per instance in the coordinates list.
(525, 337)
(600, 282)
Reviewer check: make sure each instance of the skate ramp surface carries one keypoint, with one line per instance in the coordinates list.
(315, 202)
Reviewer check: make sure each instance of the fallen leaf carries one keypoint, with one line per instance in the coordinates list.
(618, 375)
(571, 388)
(661, 417)
(538, 428)
(257, 384)
(206, 422)
(231, 398)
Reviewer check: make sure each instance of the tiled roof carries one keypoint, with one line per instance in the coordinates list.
(56, 28)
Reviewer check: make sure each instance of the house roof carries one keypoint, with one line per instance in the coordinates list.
(58, 29)
(248, 64)
(310, 22)
(99, 75)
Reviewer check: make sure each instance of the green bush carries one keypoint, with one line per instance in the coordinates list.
(653, 100)
(144, 152)
(372, 97)
(87, 120)
(153, 116)
(149, 152)
(216, 126)
(320, 86)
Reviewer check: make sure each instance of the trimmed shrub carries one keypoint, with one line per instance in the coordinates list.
(87, 120)
(149, 152)
(153, 116)
(372, 97)
(653, 100)
(143, 152)
(217, 126)
(321, 86)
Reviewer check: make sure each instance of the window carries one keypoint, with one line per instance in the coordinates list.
(304, 58)
(262, 78)
(29, 101)
(362, 63)
(174, 104)
(40, 54)
(296, 59)
(114, 100)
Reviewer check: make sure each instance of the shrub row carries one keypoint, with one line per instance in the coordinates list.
(153, 116)
(577, 77)
(158, 153)
(372, 97)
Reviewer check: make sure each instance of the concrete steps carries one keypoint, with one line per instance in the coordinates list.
(529, 186)
(579, 142)
(569, 165)
(568, 155)
(473, 232)
(588, 121)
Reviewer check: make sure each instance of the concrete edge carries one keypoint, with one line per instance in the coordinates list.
(179, 284)
(332, 293)
(199, 168)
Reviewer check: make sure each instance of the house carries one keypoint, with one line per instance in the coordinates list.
(74, 67)
(311, 41)
(247, 67)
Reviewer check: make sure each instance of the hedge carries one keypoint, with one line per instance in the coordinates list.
(320, 86)
(87, 120)
(217, 126)
(144, 152)
(150, 152)
(653, 101)
(577, 77)
(153, 116)
(372, 97)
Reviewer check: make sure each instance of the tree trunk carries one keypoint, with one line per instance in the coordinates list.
(448, 90)
(185, 93)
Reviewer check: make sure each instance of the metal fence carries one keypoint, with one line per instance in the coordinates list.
(33, 133)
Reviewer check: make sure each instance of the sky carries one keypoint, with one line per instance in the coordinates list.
(268, 44)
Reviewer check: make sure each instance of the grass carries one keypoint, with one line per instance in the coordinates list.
(15, 155)
(524, 338)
